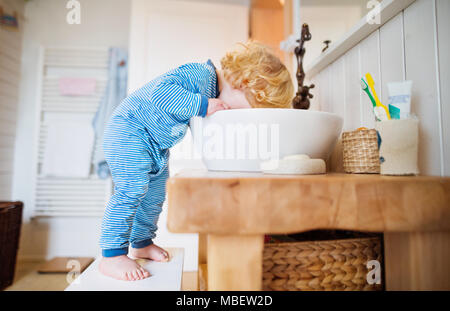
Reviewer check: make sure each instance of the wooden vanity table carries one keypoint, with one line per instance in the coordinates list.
(233, 211)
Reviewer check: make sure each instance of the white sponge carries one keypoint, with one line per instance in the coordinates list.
(300, 164)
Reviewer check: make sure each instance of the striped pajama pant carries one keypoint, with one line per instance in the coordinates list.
(139, 178)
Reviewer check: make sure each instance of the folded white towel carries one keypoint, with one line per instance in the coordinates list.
(68, 150)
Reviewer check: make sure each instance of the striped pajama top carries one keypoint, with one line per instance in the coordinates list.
(165, 105)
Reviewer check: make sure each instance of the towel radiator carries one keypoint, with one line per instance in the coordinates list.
(59, 196)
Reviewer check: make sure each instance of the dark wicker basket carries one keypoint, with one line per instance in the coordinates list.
(10, 223)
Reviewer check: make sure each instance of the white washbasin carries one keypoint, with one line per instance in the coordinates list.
(238, 140)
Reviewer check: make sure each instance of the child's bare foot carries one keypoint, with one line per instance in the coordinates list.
(122, 268)
(152, 252)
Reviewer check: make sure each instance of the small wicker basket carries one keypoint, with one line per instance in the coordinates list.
(10, 223)
(321, 265)
(360, 151)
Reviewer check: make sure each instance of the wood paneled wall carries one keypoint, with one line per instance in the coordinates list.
(414, 45)
(10, 53)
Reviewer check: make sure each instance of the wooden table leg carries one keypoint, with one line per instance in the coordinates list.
(235, 262)
(417, 260)
(202, 279)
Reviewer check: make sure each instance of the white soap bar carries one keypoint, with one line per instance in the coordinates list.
(297, 157)
(299, 164)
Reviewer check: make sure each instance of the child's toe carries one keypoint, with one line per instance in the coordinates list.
(127, 276)
(135, 275)
(145, 273)
(140, 275)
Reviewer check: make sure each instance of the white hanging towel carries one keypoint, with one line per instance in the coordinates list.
(68, 151)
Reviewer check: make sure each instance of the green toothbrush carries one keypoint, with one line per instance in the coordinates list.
(365, 88)
(377, 112)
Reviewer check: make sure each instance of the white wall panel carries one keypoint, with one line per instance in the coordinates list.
(352, 118)
(391, 54)
(443, 26)
(337, 103)
(325, 89)
(315, 101)
(318, 92)
(337, 88)
(420, 62)
(370, 62)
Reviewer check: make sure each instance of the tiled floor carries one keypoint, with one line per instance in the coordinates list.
(27, 278)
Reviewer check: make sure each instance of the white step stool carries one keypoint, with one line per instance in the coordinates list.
(165, 276)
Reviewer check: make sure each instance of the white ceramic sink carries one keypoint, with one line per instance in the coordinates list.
(238, 140)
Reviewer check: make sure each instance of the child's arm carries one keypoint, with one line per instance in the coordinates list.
(173, 98)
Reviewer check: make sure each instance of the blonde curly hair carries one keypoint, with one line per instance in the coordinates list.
(255, 69)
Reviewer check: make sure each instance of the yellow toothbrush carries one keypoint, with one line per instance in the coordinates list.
(371, 84)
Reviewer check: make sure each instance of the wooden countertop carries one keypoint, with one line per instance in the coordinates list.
(255, 203)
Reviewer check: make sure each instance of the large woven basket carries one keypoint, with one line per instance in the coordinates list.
(360, 151)
(10, 222)
(321, 265)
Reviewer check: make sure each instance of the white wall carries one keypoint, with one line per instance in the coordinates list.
(103, 23)
(10, 49)
(328, 20)
(413, 45)
(166, 34)
(184, 38)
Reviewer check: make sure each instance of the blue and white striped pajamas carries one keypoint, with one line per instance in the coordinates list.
(136, 145)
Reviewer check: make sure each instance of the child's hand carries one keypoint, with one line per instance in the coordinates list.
(215, 104)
